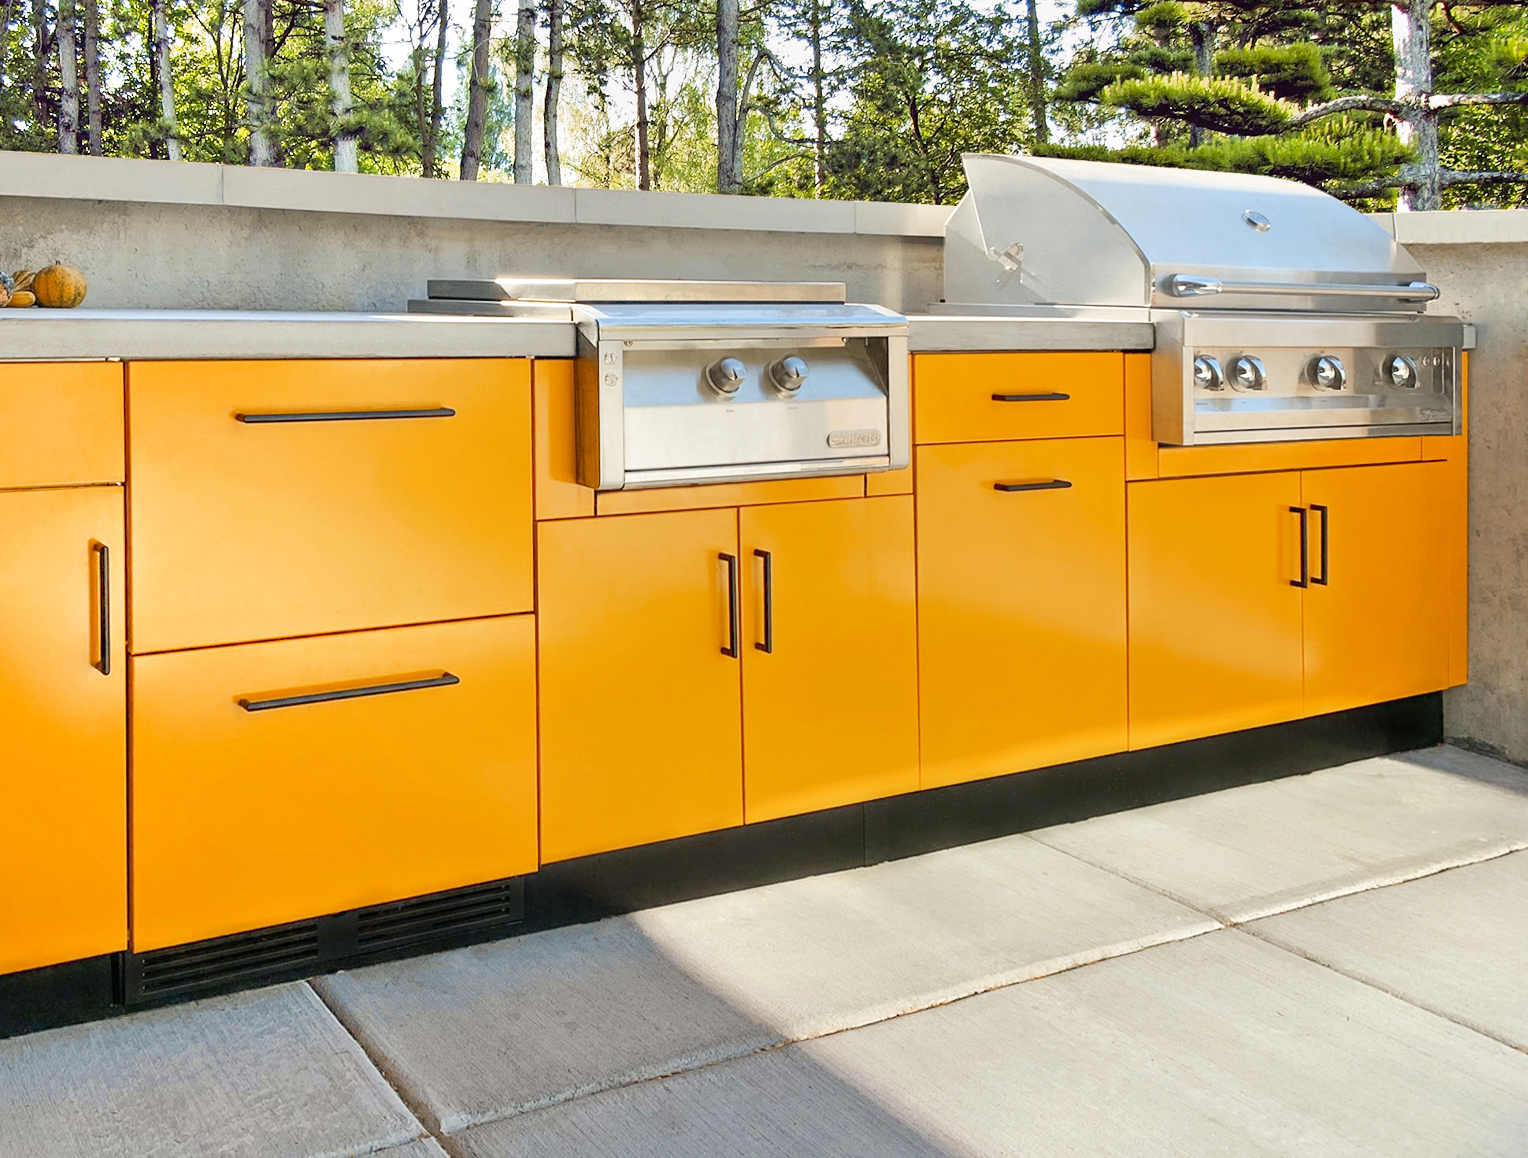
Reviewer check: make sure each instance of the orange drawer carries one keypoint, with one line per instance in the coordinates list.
(251, 816)
(987, 397)
(258, 515)
(60, 423)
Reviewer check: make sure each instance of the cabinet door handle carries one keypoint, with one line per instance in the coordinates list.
(1326, 558)
(346, 415)
(1304, 579)
(1055, 484)
(444, 680)
(103, 606)
(734, 625)
(1031, 398)
(768, 646)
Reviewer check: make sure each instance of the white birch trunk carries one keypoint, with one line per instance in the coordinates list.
(345, 158)
(1410, 31)
(525, 105)
(69, 81)
(161, 26)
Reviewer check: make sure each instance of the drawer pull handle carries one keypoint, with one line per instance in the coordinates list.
(768, 646)
(734, 624)
(1031, 398)
(1304, 579)
(1326, 563)
(347, 415)
(444, 680)
(1055, 484)
(103, 607)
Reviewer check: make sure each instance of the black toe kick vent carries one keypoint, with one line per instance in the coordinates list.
(338, 941)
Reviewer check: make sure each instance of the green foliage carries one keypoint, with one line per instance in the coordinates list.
(1222, 104)
(1288, 72)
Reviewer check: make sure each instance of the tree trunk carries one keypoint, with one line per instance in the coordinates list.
(728, 179)
(40, 53)
(478, 88)
(340, 104)
(69, 81)
(1413, 87)
(553, 86)
(430, 150)
(819, 98)
(1202, 36)
(5, 37)
(93, 77)
(639, 82)
(161, 38)
(525, 93)
(257, 78)
(1036, 74)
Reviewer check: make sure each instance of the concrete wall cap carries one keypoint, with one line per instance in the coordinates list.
(48, 175)
(1457, 227)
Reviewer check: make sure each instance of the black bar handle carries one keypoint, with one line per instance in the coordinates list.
(734, 625)
(1031, 398)
(443, 680)
(768, 646)
(1055, 484)
(346, 415)
(1304, 579)
(1326, 558)
(103, 608)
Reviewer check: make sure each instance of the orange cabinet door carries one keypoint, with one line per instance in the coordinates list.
(63, 724)
(278, 781)
(263, 507)
(1376, 612)
(641, 711)
(1215, 622)
(1021, 605)
(830, 677)
(980, 397)
(60, 423)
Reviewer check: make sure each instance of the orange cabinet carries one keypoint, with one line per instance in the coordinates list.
(63, 720)
(830, 691)
(1021, 605)
(277, 499)
(60, 423)
(284, 780)
(640, 708)
(1215, 622)
(976, 397)
(1377, 612)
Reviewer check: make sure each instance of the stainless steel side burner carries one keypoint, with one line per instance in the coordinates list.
(683, 382)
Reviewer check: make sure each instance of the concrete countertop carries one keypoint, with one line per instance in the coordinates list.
(928, 333)
(50, 335)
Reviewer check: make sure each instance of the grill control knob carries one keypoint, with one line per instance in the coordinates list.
(1328, 373)
(1401, 371)
(788, 374)
(1247, 373)
(1207, 375)
(726, 375)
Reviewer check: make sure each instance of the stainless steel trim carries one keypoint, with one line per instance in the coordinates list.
(593, 289)
(754, 472)
(1184, 285)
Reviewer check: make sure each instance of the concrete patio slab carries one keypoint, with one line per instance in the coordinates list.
(486, 1033)
(1261, 849)
(424, 1148)
(1455, 943)
(268, 1074)
(1218, 1045)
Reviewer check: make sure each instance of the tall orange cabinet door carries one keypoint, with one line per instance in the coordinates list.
(830, 676)
(1215, 622)
(275, 499)
(278, 781)
(1376, 612)
(641, 713)
(1021, 604)
(63, 723)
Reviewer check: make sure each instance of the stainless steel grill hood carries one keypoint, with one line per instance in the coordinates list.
(1280, 312)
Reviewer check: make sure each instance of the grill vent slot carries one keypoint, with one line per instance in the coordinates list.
(439, 917)
(226, 961)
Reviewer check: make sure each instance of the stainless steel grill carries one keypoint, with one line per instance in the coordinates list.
(1280, 313)
(682, 382)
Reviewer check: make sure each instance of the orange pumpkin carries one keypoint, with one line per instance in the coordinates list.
(59, 287)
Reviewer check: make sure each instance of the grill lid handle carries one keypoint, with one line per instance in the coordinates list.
(1185, 285)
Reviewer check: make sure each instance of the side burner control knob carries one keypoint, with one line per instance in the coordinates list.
(1328, 373)
(788, 374)
(1207, 373)
(1401, 371)
(1247, 373)
(726, 375)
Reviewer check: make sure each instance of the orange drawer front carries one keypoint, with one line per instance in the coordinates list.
(254, 518)
(248, 816)
(60, 423)
(987, 397)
